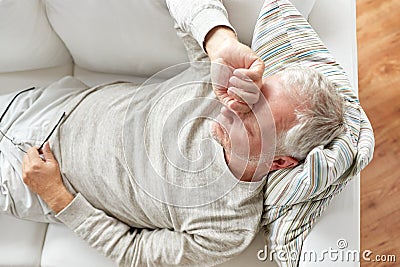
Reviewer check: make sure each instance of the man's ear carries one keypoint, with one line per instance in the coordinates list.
(282, 162)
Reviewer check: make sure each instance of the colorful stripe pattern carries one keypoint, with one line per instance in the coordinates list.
(295, 198)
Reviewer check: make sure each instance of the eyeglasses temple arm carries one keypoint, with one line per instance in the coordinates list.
(9, 104)
(52, 131)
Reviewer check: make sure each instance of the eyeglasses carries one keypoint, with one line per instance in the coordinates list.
(12, 140)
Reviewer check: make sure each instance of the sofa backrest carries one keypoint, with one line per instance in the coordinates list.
(123, 37)
(27, 40)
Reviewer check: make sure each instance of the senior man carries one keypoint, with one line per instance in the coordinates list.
(136, 172)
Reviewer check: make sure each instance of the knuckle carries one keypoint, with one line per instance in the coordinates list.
(27, 173)
(35, 166)
(53, 166)
(25, 178)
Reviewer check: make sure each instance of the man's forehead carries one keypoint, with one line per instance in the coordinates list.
(282, 107)
(272, 85)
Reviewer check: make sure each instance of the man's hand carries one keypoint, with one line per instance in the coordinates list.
(236, 71)
(43, 177)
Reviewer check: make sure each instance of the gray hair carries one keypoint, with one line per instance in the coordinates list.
(319, 112)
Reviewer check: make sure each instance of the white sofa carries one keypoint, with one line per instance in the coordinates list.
(98, 41)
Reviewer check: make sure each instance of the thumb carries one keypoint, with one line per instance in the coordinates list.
(255, 72)
(48, 155)
(258, 66)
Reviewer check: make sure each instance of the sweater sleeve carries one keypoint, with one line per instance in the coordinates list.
(198, 17)
(150, 247)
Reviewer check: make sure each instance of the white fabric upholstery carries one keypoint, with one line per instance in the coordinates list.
(27, 40)
(93, 29)
(335, 23)
(14, 81)
(108, 42)
(334, 226)
(61, 239)
(21, 242)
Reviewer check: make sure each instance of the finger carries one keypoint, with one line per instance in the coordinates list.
(258, 66)
(25, 158)
(33, 155)
(239, 73)
(48, 155)
(25, 161)
(245, 85)
(249, 98)
(231, 93)
(24, 171)
(248, 74)
(238, 107)
(254, 72)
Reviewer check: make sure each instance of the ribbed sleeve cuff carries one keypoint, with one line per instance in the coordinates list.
(205, 21)
(76, 212)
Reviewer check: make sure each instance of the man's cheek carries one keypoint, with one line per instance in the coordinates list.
(240, 140)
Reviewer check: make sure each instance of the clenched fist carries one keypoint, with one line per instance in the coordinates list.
(236, 71)
(42, 176)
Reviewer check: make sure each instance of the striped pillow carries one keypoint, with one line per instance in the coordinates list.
(295, 198)
(283, 38)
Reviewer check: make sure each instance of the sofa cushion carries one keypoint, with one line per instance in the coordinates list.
(243, 16)
(134, 37)
(63, 248)
(16, 81)
(21, 242)
(27, 39)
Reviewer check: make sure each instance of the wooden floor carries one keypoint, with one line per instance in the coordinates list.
(378, 30)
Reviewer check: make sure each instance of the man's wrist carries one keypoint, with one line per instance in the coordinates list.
(60, 200)
(215, 37)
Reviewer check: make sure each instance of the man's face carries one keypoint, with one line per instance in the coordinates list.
(251, 136)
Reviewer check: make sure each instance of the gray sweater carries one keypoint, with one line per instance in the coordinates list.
(152, 186)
